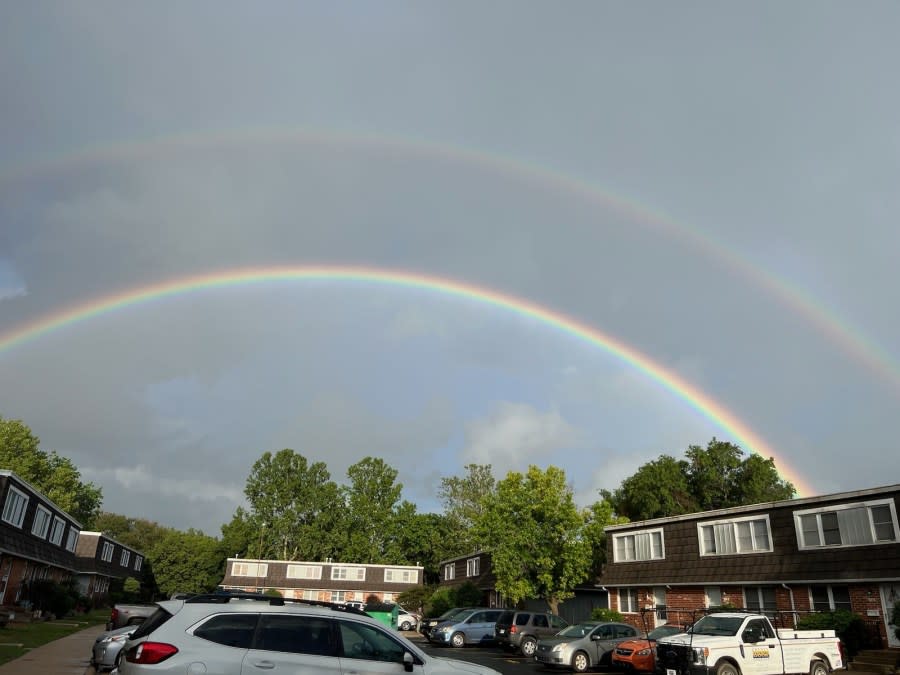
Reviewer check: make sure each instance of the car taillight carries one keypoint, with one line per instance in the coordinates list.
(843, 652)
(513, 629)
(150, 652)
(113, 615)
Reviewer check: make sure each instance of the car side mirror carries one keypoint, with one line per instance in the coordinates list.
(595, 637)
(408, 662)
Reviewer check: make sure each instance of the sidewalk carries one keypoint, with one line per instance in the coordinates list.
(70, 655)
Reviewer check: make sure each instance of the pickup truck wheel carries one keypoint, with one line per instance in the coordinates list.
(818, 667)
(580, 662)
(727, 668)
(529, 646)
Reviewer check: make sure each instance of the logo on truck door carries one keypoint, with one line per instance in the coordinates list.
(760, 653)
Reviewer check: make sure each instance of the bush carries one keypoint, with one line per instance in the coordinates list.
(895, 619)
(272, 592)
(604, 614)
(441, 600)
(49, 596)
(416, 598)
(468, 595)
(849, 627)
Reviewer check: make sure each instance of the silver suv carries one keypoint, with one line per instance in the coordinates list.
(235, 634)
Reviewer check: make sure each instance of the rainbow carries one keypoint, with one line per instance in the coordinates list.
(837, 329)
(668, 379)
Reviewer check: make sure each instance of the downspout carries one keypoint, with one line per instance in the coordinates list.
(793, 618)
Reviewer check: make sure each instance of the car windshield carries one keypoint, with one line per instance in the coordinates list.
(577, 630)
(663, 631)
(718, 625)
(463, 615)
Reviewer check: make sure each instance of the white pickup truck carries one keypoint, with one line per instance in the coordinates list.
(740, 643)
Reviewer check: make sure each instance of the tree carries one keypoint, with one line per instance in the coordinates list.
(715, 477)
(240, 535)
(598, 516)
(187, 562)
(536, 536)
(370, 504)
(421, 539)
(295, 506)
(55, 476)
(463, 498)
(138, 533)
(658, 489)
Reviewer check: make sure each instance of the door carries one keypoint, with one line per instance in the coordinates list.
(890, 596)
(659, 599)
(368, 650)
(603, 639)
(761, 649)
(292, 643)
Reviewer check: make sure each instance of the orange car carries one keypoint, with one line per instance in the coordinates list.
(637, 654)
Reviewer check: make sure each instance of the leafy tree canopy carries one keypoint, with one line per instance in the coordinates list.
(536, 536)
(463, 498)
(55, 476)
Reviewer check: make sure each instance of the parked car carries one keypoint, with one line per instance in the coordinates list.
(583, 645)
(107, 646)
(428, 624)
(407, 620)
(235, 634)
(639, 655)
(521, 630)
(128, 615)
(470, 627)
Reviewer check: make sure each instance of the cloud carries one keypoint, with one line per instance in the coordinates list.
(515, 435)
(139, 479)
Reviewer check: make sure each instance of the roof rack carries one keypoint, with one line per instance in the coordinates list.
(224, 598)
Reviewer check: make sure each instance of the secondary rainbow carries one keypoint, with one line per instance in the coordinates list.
(697, 399)
(839, 330)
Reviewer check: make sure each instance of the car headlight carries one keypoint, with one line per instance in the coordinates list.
(446, 629)
(558, 648)
(700, 654)
(644, 652)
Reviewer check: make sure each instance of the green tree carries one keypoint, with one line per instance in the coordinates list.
(295, 506)
(240, 535)
(659, 488)
(463, 498)
(139, 533)
(187, 562)
(536, 536)
(416, 598)
(421, 539)
(54, 475)
(597, 517)
(371, 502)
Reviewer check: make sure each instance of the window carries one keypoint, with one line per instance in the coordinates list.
(741, 535)
(760, 598)
(41, 522)
(310, 595)
(713, 596)
(361, 641)
(449, 571)
(304, 571)
(402, 576)
(339, 596)
(646, 545)
(472, 567)
(14, 507)
(351, 573)
(857, 524)
(72, 539)
(56, 531)
(295, 634)
(628, 600)
(107, 553)
(138, 563)
(125, 557)
(248, 569)
(829, 598)
(231, 630)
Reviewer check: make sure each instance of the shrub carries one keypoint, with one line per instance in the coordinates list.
(468, 595)
(895, 619)
(272, 592)
(49, 596)
(605, 614)
(849, 627)
(441, 600)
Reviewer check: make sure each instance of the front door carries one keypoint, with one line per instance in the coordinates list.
(890, 596)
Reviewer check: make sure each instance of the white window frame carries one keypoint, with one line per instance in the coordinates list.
(708, 593)
(138, 562)
(304, 572)
(256, 570)
(72, 539)
(15, 506)
(829, 589)
(405, 576)
(628, 601)
(348, 573)
(734, 523)
(108, 550)
(473, 567)
(56, 530)
(41, 523)
(654, 555)
(125, 557)
(449, 571)
(835, 508)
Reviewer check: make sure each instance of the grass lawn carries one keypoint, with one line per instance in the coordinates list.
(31, 635)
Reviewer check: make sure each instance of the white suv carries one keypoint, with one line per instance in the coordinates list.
(250, 634)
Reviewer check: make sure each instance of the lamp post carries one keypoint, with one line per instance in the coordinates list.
(259, 557)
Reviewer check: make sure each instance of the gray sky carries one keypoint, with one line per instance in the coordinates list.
(713, 185)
